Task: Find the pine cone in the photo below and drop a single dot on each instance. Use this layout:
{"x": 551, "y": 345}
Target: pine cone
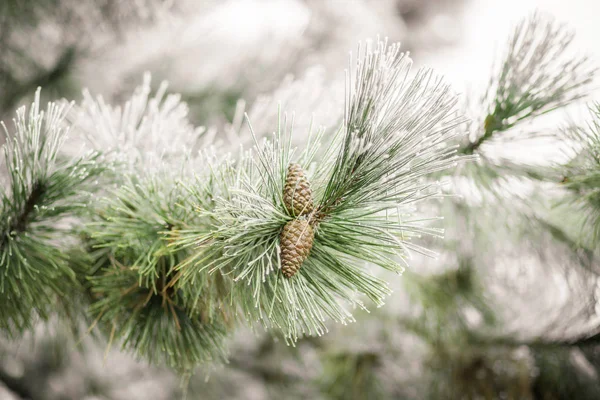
{"x": 296, "y": 240}
{"x": 297, "y": 195}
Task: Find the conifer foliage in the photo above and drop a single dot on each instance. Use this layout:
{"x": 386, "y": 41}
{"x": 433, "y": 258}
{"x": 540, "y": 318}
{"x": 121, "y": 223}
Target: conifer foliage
{"x": 181, "y": 246}
{"x": 164, "y": 240}
{"x": 365, "y": 180}
{"x": 42, "y": 194}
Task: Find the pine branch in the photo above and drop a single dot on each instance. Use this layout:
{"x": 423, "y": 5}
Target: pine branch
{"x": 42, "y": 191}
{"x": 134, "y": 293}
{"x": 363, "y": 187}
{"x": 581, "y": 175}
{"x": 136, "y": 298}
{"x": 538, "y": 74}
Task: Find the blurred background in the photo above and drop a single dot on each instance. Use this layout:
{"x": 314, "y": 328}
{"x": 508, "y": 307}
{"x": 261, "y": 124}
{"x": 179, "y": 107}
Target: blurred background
{"x": 509, "y": 310}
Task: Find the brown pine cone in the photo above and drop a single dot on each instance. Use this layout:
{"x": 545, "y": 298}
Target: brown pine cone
{"x": 296, "y": 240}
{"x": 297, "y": 196}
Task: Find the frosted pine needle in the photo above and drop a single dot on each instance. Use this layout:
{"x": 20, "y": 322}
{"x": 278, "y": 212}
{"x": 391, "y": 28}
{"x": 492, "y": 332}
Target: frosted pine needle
{"x": 363, "y": 182}
{"x": 538, "y": 73}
